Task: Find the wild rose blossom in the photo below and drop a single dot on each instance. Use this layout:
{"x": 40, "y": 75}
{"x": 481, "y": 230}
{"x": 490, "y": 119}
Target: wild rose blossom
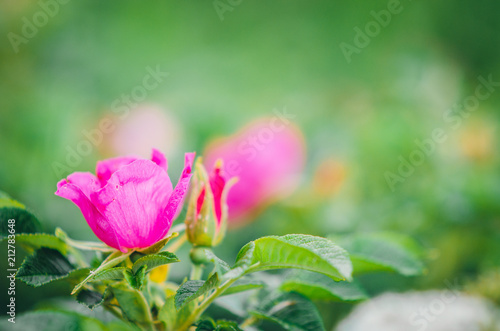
{"x": 267, "y": 156}
{"x": 206, "y": 218}
{"x": 130, "y": 202}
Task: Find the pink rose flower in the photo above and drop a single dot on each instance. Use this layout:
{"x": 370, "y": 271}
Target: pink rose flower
{"x": 130, "y": 203}
{"x": 267, "y": 156}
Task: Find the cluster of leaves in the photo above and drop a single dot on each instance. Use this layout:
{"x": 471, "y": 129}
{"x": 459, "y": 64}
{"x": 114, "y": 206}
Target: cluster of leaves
{"x": 120, "y": 282}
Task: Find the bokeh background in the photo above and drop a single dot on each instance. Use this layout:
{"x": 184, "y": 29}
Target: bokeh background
{"x": 357, "y": 116}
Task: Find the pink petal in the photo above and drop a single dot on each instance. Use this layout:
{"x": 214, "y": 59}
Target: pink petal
{"x": 104, "y": 169}
{"x": 217, "y": 183}
{"x": 85, "y": 181}
{"x": 160, "y": 159}
{"x": 176, "y": 199}
{"x": 97, "y": 222}
{"x": 133, "y": 200}
{"x": 199, "y": 201}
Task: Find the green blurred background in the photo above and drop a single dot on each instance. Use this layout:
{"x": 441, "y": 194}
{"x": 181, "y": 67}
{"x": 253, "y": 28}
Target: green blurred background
{"x": 364, "y": 114}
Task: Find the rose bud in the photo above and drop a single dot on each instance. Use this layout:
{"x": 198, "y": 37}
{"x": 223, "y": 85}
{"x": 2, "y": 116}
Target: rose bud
{"x": 206, "y": 218}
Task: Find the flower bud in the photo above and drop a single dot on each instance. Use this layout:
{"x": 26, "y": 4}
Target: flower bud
{"x": 206, "y": 219}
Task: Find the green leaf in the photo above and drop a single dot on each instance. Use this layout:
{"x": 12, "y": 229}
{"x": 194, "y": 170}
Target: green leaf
{"x": 297, "y": 251}
{"x": 159, "y": 245}
{"x": 320, "y": 287}
{"x": 206, "y": 325}
{"x": 112, "y": 260}
{"x": 193, "y": 289}
{"x": 35, "y": 241}
{"x": 221, "y": 267}
{"x": 130, "y": 278}
{"x": 91, "y": 299}
{"x": 155, "y": 260}
{"x": 25, "y": 222}
{"x": 133, "y": 305}
{"x": 109, "y": 274}
{"x": 77, "y": 276}
{"x": 140, "y": 276}
{"x": 243, "y": 262}
{"x": 53, "y": 320}
{"x": 171, "y": 317}
{"x": 227, "y": 326}
{"x": 168, "y": 314}
{"x": 43, "y": 266}
{"x": 292, "y": 311}
{"x": 220, "y": 325}
{"x": 227, "y": 309}
{"x": 384, "y": 252}
{"x": 244, "y": 284}
{"x": 7, "y": 201}
{"x": 135, "y": 280}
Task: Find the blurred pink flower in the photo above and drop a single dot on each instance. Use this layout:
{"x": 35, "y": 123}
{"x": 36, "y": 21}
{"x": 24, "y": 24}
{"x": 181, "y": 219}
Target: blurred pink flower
{"x": 267, "y": 156}
{"x": 141, "y": 129}
{"x": 131, "y": 202}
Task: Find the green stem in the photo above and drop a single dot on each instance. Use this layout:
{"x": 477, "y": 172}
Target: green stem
{"x": 204, "y": 305}
{"x": 83, "y": 245}
{"x": 149, "y": 316}
{"x": 177, "y": 244}
{"x": 178, "y": 228}
{"x": 196, "y": 271}
{"x": 112, "y": 260}
{"x": 249, "y": 321}
{"x": 114, "y": 310}
{"x": 78, "y": 256}
{"x": 89, "y": 245}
